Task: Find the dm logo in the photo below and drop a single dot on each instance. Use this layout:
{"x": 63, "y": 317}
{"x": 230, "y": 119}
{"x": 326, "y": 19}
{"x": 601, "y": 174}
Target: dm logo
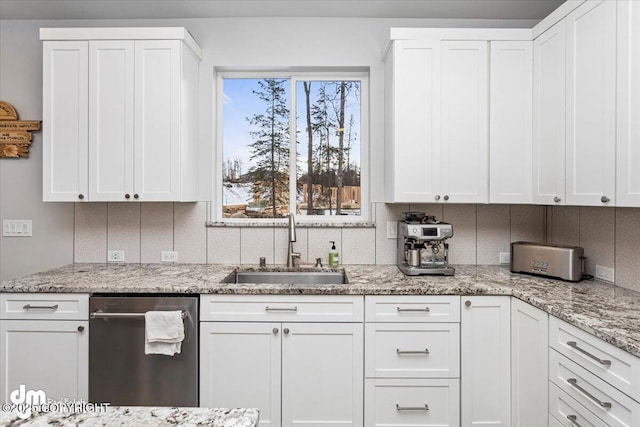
{"x": 26, "y": 399}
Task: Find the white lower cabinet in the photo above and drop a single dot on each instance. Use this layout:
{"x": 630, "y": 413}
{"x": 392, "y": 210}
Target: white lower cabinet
{"x": 44, "y": 345}
{"x": 529, "y": 365}
{"x": 295, "y": 373}
{"x": 412, "y": 402}
{"x": 566, "y": 411}
{"x": 485, "y": 378}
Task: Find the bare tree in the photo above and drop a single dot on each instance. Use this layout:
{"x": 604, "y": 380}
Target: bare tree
{"x": 307, "y": 93}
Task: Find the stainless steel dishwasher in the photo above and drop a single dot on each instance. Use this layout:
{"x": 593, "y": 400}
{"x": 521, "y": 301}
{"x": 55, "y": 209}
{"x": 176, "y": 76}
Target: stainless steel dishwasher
{"x": 119, "y": 371}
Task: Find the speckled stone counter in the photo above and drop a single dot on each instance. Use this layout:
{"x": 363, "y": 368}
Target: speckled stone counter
{"x": 137, "y": 416}
{"x": 608, "y": 312}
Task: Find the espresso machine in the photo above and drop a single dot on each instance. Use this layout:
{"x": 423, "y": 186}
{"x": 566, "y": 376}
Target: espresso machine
{"x": 422, "y": 245}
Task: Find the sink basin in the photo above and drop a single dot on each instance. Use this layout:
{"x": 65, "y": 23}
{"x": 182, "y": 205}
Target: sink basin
{"x": 288, "y": 277}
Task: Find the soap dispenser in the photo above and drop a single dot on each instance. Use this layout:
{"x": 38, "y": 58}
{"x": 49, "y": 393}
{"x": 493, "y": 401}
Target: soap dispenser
{"x": 334, "y": 256}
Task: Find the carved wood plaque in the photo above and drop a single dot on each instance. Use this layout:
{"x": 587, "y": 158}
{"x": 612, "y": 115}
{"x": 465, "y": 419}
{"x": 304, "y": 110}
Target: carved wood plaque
{"x": 15, "y": 135}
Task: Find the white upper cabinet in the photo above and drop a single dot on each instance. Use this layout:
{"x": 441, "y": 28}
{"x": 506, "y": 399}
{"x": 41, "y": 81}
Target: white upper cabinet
{"x": 412, "y": 123}
{"x": 437, "y": 121}
{"x": 464, "y": 148}
{"x": 111, "y": 119}
{"x": 591, "y": 104}
{"x": 628, "y": 125}
{"x": 65, "y": 121}
{"x": 510, "y": 125}
{"x": 549, "y": 75}
{"x": 125, "y": 103}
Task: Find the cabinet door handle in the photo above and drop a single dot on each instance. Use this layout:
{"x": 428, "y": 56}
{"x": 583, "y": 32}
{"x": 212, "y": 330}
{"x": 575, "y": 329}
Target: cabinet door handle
{"x": 275, "y": 331}
{"x": 574, "y": 345}
{"x": 127, "y": 196}
{"x": 437, "y": 197}
{"x": 574, "y": 383}
{"x": 573, "y": 420}
{"x": 267, "y": 308}
{"x": 136, "y": 196}
{"x": 40, "y": 307}
{"x": 286, "y": 331}
{"x": 557, "y": 199}
{"x": 81, "y": 196}
{"x": 446, "y": 197}
{"x": 80, "y": 328}
{"x": 425, "y": 351}
{"x": 412, "y": 408}
{"x": 467, "y": 303}
{"x": 426, "y": 309}
{"x": 605, "y": 199}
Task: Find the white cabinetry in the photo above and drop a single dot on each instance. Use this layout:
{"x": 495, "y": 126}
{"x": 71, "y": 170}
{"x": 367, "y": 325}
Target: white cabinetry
{"x": 591, "y": 104}
{"x": 549, "y": 110}
{"x": 412, "y": 361}
{"x": 529, "y": 365}
{"x": 65, "y": 121}
{"x": 437, "y": 146}
{"x": 628, "y": 93}
{"x": 510, "y": 126}
{"x": 486, "y": 361}
{"x": 45, "y": 345}
{"x": 120, "y": 114}
{"x": 294, "y": 371}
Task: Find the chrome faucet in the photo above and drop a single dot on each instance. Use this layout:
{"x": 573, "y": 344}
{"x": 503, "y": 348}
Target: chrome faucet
{"x": 291, "y": 255}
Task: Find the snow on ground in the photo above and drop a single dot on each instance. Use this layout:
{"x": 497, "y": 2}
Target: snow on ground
{"x": 236, "y": 193}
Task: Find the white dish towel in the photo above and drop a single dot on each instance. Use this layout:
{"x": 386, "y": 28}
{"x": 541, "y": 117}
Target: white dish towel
{"x": 163, "y": 332}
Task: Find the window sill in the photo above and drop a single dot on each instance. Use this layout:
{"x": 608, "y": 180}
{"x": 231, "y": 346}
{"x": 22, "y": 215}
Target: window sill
{"x": 284, "y": 224}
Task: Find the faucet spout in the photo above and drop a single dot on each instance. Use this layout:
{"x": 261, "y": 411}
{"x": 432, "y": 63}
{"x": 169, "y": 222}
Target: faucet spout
{"x": 291, "y": 255}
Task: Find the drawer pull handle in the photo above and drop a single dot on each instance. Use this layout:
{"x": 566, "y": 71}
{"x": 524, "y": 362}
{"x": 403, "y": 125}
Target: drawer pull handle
{"x": 572, "y": 419}
{"x": 574, "y": 383}
{"x": 426, "y": 309}
{"x": 412, "y": 408}
{"x": 267, "y": 308}
{"x": 40, "y": 307}
{"x": 574, "y": 345}
{"x": 425, "y": 351}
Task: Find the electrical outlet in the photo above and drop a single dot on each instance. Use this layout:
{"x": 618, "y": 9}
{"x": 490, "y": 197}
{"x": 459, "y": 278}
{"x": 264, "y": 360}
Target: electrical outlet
{"x": 17, "y": 228}
{"x": 505, "y": 257}
{"x": 115, "y": 256}
{"x": 392, "y": 230}
{"x": 605, "y": 273}
{"x": 169, "y": 256}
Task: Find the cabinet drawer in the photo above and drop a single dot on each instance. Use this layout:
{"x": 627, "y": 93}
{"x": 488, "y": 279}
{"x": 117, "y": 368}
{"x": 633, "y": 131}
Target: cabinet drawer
{"x": 615, "y": 366}
{"x": 412, "y": 308}
{"x": 412, "y": 350}
{"x": 281, "y": 308}
{"x": 411, "y": 402}
{"x": 607, "y": 403}
{"x": 568, "y": 412}
{"x": 44, "y": 306}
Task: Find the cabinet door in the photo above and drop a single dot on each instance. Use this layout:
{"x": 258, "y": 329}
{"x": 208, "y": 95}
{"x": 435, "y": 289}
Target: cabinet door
{"x": 110, "y": 120}
{"x": 549, "y": 74}
{"x": 64, "y": 121}
{"x": 240, "y": 367}
{"x": 157, "y": 120}
{"x": 415, "y": 101}
{"x": 464, "y": 147}
{"x": 511, "y": 121}
{"x": 591, "y": 104}
{"x": 628, "y": 143}
{"x": 47, "y": 355}
{"x": 529, "y": 365}
{"x": 322, "y": 374}
{"x": 486, "y": 360}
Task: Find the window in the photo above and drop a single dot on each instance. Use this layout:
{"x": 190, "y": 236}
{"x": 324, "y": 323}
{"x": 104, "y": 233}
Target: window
{"x": 292, "y": 143}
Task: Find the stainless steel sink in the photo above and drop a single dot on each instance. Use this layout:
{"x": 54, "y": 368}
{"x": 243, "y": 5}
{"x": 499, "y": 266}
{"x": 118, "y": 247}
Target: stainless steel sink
{"x": 288, "y": 277}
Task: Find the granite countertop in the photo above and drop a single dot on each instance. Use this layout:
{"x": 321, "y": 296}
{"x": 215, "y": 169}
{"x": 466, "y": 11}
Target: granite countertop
{"x": 608, "y": 312}
{"x": 138, "y": 416}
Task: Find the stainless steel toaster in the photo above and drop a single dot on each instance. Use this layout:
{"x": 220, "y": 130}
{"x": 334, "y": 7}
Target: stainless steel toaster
{"x": 544, "y": 259}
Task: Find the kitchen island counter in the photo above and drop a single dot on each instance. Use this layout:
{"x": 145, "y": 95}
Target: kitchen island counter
{"x": 609, "y": 312}
{"x": 139, "y": 416}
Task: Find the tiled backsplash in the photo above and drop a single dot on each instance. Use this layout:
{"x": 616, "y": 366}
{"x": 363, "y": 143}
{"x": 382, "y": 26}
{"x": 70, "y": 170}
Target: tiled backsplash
{"x": 610, "y": 236}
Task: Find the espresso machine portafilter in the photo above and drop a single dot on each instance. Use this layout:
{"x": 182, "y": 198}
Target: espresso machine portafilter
{"x": 422, "y": 245}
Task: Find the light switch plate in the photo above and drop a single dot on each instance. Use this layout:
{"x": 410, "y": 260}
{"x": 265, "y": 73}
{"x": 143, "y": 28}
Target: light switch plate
{"x": 17, "y": 228}
{"x": 392, "y": 230}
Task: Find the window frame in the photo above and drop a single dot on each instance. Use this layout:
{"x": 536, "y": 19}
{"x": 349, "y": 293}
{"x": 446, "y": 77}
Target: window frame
{"x": 215, "y": 213}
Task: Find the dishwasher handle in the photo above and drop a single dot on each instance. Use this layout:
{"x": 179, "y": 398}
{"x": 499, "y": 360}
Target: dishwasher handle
{"x": 102, "y": 315}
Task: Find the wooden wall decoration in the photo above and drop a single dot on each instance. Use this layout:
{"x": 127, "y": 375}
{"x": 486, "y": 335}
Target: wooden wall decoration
{"x": 15, "y": 135}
